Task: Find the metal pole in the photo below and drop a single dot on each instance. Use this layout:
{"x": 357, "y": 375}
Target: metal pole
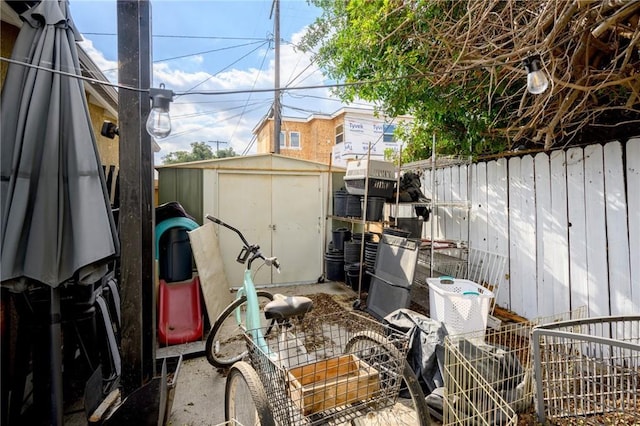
{"x": 433, "y": 203}
{"x": 55, "y": 351}
{"x": 397, "y": 212}
{"x": 365, "y": 228}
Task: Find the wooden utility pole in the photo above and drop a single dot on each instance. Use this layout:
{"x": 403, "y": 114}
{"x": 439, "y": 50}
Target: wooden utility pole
{"x": 218, "y": 144}
{"x": 276, "y": 101}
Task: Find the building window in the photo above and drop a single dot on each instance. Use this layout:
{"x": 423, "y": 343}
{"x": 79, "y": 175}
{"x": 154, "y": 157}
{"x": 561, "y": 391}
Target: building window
{"x": 388, "y": 130}
{"x": 294, "y": 140}
{"x": 283, "y": 140}
{"x": 339, "y": 133}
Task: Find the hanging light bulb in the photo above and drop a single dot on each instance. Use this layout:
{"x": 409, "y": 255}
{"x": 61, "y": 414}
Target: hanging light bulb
{"x": 159, "y": 121}
{"x": 537, "y": 81}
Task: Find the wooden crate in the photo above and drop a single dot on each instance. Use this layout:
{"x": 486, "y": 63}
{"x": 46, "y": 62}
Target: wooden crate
{"x": 332, "y": 383}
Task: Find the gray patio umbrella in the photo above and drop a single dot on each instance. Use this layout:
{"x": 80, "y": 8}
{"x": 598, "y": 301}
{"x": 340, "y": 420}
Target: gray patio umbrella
{"x": 57, "y": 222}
{"x": 56, "y": 216}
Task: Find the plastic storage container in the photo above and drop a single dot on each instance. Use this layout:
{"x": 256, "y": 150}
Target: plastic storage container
{"x": 382, "y": 178}
{"x": 462, "y": 305}
{"x": 176, "y": 262}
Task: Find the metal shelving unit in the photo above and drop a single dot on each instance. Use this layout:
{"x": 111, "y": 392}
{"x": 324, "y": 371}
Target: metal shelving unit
{"x": 443, "y": 263}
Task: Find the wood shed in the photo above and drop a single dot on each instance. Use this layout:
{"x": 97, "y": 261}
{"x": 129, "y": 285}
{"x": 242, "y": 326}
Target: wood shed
{"x": 278, "y": 202}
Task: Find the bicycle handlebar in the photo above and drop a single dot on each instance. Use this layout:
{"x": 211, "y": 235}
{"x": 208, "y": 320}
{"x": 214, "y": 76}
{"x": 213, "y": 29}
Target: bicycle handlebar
{"x": 273, "y": 261}
{"x": 248, "y": 249}
{"x": 226, "y": 225}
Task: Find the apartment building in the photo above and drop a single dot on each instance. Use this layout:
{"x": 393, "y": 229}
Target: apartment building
{"x": 349, "y": 133}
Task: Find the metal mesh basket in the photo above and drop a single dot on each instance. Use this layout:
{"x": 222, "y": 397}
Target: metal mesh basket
{"x": 333, "y": 368}
{"x": 489, "y": 382}
{"x": 588, "y": 371}
{"x": 444, "y": 264}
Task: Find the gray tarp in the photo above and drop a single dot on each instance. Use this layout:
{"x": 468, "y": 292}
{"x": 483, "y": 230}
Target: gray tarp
{"x": 497, "y": 365}
{"x": 426, "y": 345}
{"x": 56, "y": 217}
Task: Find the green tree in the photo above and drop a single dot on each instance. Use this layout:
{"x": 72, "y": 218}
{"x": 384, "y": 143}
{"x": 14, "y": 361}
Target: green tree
{"x": 457, "y": 67}
{"x": 225, "y": 153}
{"x": 199, "y": 151}
{"x": 374, "y": 42}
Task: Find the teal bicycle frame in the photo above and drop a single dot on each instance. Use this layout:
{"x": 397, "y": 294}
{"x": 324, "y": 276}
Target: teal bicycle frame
{"x": 248, "y": 254}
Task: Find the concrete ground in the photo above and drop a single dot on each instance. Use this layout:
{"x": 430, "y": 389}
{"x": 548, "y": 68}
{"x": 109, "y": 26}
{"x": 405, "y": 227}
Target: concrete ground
{"x": 198, "y": 398}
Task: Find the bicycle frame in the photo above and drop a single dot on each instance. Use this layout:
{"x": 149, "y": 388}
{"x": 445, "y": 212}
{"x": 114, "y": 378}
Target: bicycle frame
{"x": 253, "y": 313}
{"x": 247, "y": 255}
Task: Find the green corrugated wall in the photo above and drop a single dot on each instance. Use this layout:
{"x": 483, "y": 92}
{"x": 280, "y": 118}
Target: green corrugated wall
{"x": 183, "y": 186}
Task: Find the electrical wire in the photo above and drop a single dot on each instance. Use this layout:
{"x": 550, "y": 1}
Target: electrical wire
{"x": 264, "y": 59}
{"x": 239, "y": 91}
{"x": 201, "y": 113}
{"x": 324, "y": 98}
{"x": 250, "y": 145}
{"x": 192, "y": 54}
{"x": 223, "y": 69}
{"x": 207, "y": 51}
{"x": 184, "y": 36}
{"x": 186, "y": 132}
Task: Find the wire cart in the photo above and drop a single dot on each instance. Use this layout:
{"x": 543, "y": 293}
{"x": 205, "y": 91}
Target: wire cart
{"x": 588, "y": 370}
{"x": 330, "y": 369}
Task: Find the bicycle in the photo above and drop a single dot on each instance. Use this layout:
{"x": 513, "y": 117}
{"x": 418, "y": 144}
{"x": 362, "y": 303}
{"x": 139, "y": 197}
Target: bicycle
{"x": 315, "y": 371}
{"x": 224, "y": 345}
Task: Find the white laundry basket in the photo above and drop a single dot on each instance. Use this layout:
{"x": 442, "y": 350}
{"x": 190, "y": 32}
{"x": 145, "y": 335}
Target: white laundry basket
{"x": 462, "y": 305}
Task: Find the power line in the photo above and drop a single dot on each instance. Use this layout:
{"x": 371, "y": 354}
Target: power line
{"x": 184, "y": 36}
{"x": 264, "y": 59}
{"x": 204, "y": 52}
{"x": 201, "y": 113}
{"x": 225, "y": 68}
{"x": 185, "y": 132}
{"x": 194, "y": 54}
{"x": 267, "y": 90}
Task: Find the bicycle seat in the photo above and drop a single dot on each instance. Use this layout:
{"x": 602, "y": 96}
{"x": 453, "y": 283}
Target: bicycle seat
{"x": 283, "y": 307}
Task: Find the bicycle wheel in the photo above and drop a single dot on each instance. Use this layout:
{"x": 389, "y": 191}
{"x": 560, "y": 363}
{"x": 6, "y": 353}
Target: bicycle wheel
{"x": 245, "y": 399}
{"x": 411, "y": 407}
{"x": 225, "y": 343}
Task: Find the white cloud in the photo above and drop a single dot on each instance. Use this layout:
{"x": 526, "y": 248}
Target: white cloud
{"x": 108, "y": 67}
{"x": 229, "y": 117}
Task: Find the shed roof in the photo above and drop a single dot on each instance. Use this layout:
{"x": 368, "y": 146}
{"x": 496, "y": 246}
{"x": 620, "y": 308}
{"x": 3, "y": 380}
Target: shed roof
{"x": 271, "y": 162}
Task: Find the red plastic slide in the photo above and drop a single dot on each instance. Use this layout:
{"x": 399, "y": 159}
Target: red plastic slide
{"x": 180, "y": 314}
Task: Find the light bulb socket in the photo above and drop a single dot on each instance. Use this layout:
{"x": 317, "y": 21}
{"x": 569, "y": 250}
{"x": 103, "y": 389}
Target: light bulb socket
{"x": 532, "y": 63}
{"x": 160, "y": 98}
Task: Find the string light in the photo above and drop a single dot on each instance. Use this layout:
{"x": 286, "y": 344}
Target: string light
{"x": 159, "y": 120}
{"x": 537, "y": 81}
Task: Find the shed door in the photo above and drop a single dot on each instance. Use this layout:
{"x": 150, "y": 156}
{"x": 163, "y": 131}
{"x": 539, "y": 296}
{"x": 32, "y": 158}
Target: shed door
{"x": 297, "y": 219}
{"x": 244, "y": 202}
{"x": 281, "y": 213}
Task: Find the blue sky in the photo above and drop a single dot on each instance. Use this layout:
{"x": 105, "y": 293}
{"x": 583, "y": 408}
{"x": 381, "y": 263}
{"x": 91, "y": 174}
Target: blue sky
{"x": 221, "y": 45}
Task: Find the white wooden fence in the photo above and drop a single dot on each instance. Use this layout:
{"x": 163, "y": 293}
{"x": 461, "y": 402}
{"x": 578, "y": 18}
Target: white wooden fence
{"x": 568, "y": 222}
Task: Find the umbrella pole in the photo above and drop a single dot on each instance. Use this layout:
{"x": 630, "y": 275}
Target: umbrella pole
{"x": 55, "y": 333}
